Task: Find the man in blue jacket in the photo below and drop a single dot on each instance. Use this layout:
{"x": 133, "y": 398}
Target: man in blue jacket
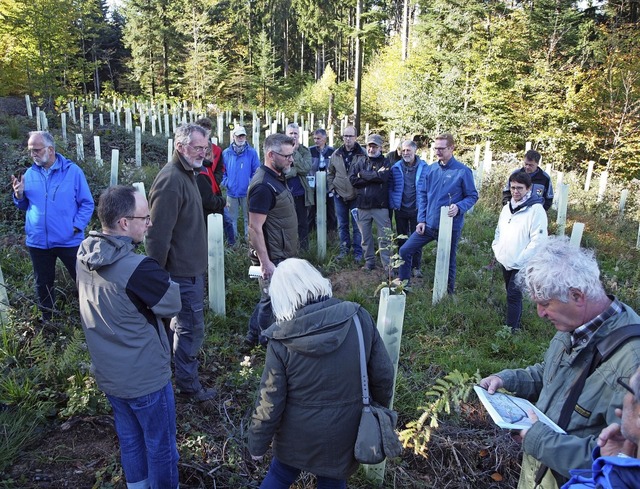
{"x": 403, "y": 181}
{"x": 58, "y": 204}
{"x": 447, "y": 183}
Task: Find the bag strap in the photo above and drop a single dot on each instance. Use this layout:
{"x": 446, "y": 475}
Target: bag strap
{"x": 604, "y": 349}
{"x": 364, "y": 378}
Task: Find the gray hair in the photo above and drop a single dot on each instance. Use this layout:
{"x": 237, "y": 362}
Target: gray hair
{"x": 294, "y": 284}
{"x": 557, "y": 268}
{"x": 293, "y": 125}
{"x": 184, "y": 132}
{"x": 320, "y": 132}
{"x": 46, "y": 136}
{"x": 276, "y": 141}
{"x": 115, "y": 203}
{"x": 410, "y": 143}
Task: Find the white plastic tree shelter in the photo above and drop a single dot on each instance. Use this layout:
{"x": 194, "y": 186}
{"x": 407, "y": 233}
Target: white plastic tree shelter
{"x": 97, "y": 150}
{"x": 390, "y": 321}
{"x": 4, "y": 300}
{"x": 139, "y": 186}
{"x": 138, "y": 135}
{"x": 604, "y": 176}
{"x": 556, "y": 196}
{"x": 80, "y": 147}
{"x": 443, "y": 256}
{"x": 563, "y": 200}
{"x": 321, "y": 213}
{"x": 623, "y": 202}
{"x": 576, "y": 234}
{"x": 169, "y": 149}
{"x": 216, "y": 265}
{"x": 63, "y": 120}
{"x": 27, "y": 100}
{"x": 115, "y": 157}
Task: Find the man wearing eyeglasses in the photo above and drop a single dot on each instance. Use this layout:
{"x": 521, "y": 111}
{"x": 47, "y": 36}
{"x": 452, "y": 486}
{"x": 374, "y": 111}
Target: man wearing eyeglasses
{"x": 58, "y": 204}
{"x": 178, "y": 242}
{"x": 123, "y": 297}
{"x": 564, "y": 283}
{"x": 616, "y": 463}
{"x": 447, "y": 183}
{"x": 273, "y": 224}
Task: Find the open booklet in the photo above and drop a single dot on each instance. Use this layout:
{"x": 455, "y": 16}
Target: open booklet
{"x": 511, "y": 412}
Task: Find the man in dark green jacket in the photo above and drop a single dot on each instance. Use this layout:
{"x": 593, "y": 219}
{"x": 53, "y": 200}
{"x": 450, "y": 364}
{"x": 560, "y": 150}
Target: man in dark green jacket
{"x": 564, "y": 283}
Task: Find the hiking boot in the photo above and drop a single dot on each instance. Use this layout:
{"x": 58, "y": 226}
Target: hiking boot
{"x": 204, "y": 394}
{"x": 417, "y": 273}
{"x": 369, "y": 267}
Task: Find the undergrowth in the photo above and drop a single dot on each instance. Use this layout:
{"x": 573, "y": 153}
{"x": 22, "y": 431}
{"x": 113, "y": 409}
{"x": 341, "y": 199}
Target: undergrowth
{"x": 45, "y": 374}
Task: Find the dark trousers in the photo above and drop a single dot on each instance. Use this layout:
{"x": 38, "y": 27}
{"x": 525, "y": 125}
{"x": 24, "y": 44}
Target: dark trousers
{"x": 406, "y": 223}
{"x": 417, "y": 241}
{"x": 514, "y": 298}
{"x": 332, "y": 222}
{"x": 44, "y": 271}
{"x": 303, "y": 226}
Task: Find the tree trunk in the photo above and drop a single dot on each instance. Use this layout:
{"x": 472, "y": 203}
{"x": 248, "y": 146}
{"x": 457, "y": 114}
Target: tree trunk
{"x": 358, "y": 70}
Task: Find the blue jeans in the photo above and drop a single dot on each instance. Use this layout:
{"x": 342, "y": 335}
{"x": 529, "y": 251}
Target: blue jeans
{"x": 235, "y": 205}
{"x": 188, "y": 333}
{"x": 146, "y": 428}
{"x": 416, "y": 242}
{"x": 44, "y": 272}
{"x": 343, "y": 214}
{"x": 514, "y": 298}
{"x": 227, "y": 227}
{"x": 281, "y": 476}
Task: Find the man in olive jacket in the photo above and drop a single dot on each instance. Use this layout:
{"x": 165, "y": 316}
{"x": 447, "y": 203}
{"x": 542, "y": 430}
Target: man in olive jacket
{"x": 564, "y": 283}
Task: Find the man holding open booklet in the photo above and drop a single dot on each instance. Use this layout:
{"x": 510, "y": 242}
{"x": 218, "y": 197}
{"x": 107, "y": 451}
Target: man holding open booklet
{"x": 575, "y": 386}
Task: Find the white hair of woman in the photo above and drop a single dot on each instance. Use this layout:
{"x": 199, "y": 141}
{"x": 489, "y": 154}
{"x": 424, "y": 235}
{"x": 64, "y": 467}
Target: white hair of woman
{"x": 294, "y": 284}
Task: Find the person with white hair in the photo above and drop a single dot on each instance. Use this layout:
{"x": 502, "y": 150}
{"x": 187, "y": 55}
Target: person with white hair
{"x": 310, "y": 397}
{"x": 575, "y": 386}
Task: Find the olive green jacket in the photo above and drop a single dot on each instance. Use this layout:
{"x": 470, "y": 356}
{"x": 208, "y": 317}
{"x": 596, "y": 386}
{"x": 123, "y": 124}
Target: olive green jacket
{"x": 548, "y": 385}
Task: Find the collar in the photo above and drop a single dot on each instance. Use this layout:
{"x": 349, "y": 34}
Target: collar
{"x": 583, "y": 334}
{"x": 515, "y": 204}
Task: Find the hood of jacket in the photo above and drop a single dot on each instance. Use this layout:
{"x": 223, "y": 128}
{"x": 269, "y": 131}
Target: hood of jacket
{"x": 100, "y": 250}
{"x": 533, "y": 199}
{"x": 316, "y": 329}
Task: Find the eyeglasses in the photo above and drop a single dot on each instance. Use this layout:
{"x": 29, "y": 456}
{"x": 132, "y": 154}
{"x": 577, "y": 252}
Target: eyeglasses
{"x": 36, "y": 150}
{"x": 147, "y": 219}
{"x": 287, "y": 157}
{"x": 518, "y": 189}
{"x": 199, "y": 149}
{"x": 440, "y": 149}
{"x": 624, "y": 382}
{"x": 240, "y": 136}
{"x": 348, "y": 135}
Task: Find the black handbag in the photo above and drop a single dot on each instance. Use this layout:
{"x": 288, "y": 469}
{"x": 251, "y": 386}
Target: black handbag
{"x": 377, "y": 438}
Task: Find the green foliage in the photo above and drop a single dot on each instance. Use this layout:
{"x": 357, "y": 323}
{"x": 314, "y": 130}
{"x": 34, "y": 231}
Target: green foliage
{"x": 84, "y": 397}
{"x": 448, "y": 392}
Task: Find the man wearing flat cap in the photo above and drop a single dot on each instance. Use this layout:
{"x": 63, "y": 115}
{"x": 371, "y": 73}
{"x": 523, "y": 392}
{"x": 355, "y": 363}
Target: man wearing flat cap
{"x": 369, "y": 177}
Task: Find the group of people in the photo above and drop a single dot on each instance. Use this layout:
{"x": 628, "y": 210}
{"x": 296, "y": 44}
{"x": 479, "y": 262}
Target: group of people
{"x": 140, "y": 312}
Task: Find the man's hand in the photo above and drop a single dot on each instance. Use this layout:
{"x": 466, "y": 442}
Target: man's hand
{"x": 257, "y": 458}
{"x": 267, "y": 269}
{"x": 18, "y": 186}
{"x": 612, "y": 442}
{"x": 491, "y": 384}
{"x": 534, "y": 419}
{"x": 420, "y": 228}
{"x": 228, "y": 203}
{"x": 453, "y": 210}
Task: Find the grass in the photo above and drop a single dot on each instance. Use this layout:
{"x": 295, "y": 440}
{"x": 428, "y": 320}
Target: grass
{"x": 47, "y": 374}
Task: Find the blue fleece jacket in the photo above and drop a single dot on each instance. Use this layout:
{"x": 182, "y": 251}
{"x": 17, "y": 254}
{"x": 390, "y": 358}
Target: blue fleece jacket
{"x": 59, "y": 205}
{"x": 443, "y": 185}
{"x": 238, "y": 170}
